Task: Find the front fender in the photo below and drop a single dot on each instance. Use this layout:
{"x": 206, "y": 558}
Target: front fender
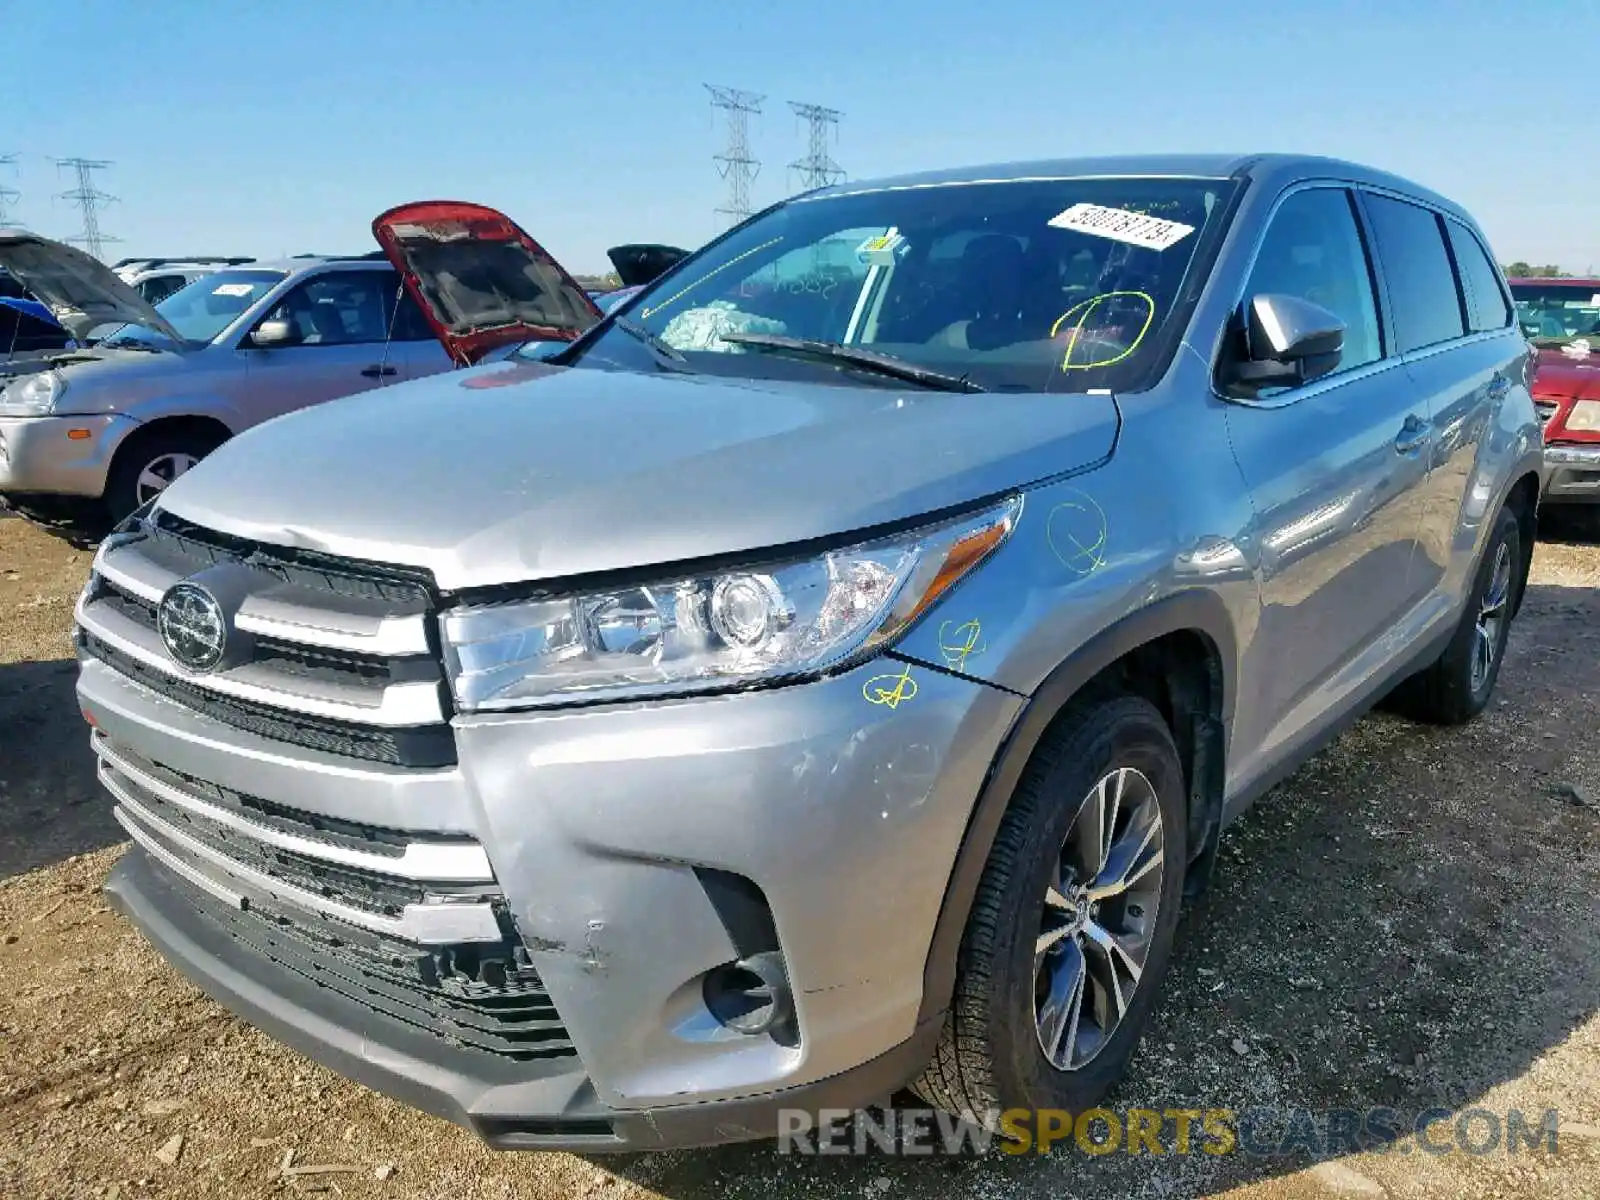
{"x": 204, "y": 406}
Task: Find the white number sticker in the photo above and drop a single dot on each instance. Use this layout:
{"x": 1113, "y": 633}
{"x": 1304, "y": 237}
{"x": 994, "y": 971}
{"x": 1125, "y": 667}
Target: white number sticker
{"x": 1137, "y": 229}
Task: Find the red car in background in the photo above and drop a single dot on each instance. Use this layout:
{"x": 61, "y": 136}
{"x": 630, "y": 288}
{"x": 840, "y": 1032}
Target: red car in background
{"x": 1561, "y": 317}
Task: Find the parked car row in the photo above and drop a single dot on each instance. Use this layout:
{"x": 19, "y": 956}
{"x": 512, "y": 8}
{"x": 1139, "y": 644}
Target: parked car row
{"x": 160, "y": 361}
{"x": 829, "y": 671}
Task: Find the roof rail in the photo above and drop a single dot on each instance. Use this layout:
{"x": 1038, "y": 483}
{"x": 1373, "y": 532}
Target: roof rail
{"x": 151, "y": 263}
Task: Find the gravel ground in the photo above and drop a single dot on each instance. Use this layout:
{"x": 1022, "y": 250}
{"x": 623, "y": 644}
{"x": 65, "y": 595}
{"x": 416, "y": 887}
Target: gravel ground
{"x": 1410, "y": 921}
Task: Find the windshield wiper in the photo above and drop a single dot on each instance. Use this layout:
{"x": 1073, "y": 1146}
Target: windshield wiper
{"x": 666, "y": 353}
{"x": 856, "y": 356}
{"x": 128, "y": 343}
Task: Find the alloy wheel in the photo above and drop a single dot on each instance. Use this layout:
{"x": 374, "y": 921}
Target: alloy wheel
{"x": 1491, "y": 618}
{"x": 159, "y": 473}
{"x": 1098, "y": 918}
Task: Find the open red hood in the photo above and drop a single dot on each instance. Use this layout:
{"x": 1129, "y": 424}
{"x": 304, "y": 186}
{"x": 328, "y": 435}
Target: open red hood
{"x": 481, "y": 281}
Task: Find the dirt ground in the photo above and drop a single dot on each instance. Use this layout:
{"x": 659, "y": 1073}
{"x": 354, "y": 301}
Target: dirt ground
{"x": 1410, "y": 921}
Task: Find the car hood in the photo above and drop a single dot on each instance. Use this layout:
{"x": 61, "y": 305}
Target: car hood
{"x": 480, "y": 280}
{"x": 525, "y": 471}
{"x": 1563, "y": 376}
{"x": 639, "y": 264}
{"x": 79, "y": 290}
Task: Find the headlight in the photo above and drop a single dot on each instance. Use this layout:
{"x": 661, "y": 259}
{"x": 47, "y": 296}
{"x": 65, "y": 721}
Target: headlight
{"x": 775, "y": 621}
{"x": 33, "y": 394}
{"x": 1584, "y": 417}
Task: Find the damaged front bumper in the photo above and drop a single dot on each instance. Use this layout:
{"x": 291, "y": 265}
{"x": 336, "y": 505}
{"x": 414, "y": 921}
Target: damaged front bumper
{"x": 636, "y": 851}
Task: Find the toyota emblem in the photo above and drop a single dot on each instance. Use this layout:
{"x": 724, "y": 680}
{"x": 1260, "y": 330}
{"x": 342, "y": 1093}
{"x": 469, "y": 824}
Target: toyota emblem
{"x": 192, "y": 626}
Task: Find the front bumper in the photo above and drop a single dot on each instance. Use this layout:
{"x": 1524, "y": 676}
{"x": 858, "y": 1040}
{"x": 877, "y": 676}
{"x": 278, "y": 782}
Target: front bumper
{"x": 59, "y": 455}
{"x": 1571, "y": 474}
{"x": 601, "y": 826}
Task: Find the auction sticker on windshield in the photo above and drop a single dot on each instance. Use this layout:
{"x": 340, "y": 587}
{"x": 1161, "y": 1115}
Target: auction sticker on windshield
{"x": 233, "y": 289}
{"x": 1137, "y": 229}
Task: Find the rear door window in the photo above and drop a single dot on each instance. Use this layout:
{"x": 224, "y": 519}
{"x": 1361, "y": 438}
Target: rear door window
{"x": 1487, "y": 306}
{"x": 1416, "y": 267}
{"x": 1313, "y": 249}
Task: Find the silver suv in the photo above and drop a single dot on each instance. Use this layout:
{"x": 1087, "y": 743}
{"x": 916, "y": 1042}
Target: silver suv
{"x": 87, "y": 435}
{"x": 834, "y": 669}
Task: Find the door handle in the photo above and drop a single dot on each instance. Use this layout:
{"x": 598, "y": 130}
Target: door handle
{"x": 376, "y": 370}
{"x": 1413, "y": 436}
{"x": 1499, "y": 386}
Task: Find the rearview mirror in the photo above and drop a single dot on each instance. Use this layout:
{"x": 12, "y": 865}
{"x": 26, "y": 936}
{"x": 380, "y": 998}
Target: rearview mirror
{"x": 1288, "y": 341}
{"x": 272, "y": 333}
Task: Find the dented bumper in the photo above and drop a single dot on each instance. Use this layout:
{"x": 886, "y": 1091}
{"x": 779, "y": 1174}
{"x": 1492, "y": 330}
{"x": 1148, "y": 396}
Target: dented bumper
{"x": 613, "y": 834}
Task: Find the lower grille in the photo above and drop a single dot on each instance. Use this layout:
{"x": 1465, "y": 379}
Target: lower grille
{"x": 485, "y": 1001}
{"x": 342, "y": 913}
{"x": 420, "y": 746}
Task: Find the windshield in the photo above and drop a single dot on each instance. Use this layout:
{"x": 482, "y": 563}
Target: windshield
{"x": 1033, "y": 285}
{"x": 1554, "y": 314}
{"x": 204, "y": 308}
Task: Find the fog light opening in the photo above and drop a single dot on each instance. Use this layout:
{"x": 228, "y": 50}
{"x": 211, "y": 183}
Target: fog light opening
{"x": 752, "y": 996}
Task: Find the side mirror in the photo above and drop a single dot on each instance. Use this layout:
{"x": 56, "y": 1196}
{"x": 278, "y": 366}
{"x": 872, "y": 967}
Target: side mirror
{"x": 272, "y": 333}
{"x": 1287, "y": 341}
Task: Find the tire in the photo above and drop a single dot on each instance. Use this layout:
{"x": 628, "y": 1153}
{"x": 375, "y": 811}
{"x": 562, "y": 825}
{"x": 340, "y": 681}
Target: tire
{"x": 991, "y": 1055}
{"x": 155, "y": 453}
{"x": 1454, "y": 690}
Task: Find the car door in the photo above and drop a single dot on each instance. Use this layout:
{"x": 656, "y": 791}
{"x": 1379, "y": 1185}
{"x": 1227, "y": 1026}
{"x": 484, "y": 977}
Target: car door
{"x": 1445, "y": 292}
{"x": 1334, "y": 469}
{"x": 338, "y": 344}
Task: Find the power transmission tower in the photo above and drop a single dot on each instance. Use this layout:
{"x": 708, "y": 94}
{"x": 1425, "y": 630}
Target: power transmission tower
{"x": 736, "y": 164}
{"x": 88, "y": 198}
{"x": 8, "y": 195}
{"x": 817, "y": 168}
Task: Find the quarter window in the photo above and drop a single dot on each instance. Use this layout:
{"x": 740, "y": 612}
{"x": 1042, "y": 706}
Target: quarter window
{"x": 1313, "y": 250}
{"x": 1416, "y": 267}
{"x": 1487, "y": 307}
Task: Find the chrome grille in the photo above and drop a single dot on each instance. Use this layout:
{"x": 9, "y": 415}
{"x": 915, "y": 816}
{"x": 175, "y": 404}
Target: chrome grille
{"x": 341, "y": 655}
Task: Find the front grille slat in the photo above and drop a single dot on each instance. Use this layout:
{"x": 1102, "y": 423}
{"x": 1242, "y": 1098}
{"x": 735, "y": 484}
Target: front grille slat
{"x": 407, "y": 746}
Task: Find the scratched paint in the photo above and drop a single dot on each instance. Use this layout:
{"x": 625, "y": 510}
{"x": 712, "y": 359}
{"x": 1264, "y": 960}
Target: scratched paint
{"x": 959, "y": 642}
{"x": 1084, "y": 310}
{"x": 891, "y": 690}
{"x": 1076, "y": 531}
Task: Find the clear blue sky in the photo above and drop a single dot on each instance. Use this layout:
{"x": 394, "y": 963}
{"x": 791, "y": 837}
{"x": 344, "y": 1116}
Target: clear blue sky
{"x": 266, "y": 128}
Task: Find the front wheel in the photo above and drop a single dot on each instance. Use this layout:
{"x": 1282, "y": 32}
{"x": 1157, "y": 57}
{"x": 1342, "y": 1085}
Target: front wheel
{"x": 147, "y": 465}
{"x": 1073, "y": 922}
{"x": 1457, "y": 687}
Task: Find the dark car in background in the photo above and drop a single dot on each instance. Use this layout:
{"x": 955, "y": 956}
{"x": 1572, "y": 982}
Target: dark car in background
{"x": 1561, "y": 317}
{"x": 26, "y": 326}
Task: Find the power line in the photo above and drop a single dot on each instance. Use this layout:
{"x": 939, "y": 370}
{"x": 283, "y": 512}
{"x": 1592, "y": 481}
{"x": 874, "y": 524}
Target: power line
{"x": 88, "y": 198}
{"x": 736, "y": 164}
{"x": 8, "y": 195}
{"x": 817, "y": 168}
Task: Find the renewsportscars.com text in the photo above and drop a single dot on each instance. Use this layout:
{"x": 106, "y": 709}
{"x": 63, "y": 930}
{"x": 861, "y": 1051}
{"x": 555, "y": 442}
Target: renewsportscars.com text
{"x": 1259, "y": 1132}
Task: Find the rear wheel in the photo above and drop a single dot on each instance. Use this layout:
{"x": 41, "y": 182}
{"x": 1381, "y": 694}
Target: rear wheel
{"x": 1073, "y": 922}
{"x": 146, "y": 466}
{"x": 1458, "y": 686}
